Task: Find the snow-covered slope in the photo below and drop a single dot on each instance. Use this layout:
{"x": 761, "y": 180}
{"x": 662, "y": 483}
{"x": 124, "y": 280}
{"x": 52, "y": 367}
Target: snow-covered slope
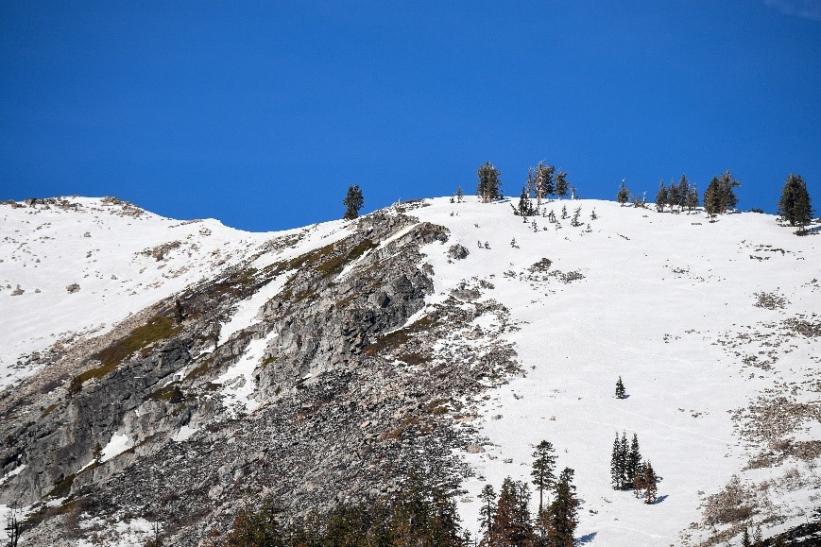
{"x": 713, "y": 326}
{"x": 662, "y": 299}
{"x": 77, "y": 266}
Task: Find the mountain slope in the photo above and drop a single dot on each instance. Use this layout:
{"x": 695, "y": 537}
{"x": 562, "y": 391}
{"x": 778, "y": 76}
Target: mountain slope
{"x": 291, "y": 362}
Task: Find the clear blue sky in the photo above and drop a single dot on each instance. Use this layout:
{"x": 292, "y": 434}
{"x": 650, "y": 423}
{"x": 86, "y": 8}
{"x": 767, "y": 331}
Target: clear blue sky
{"x": 261, "y": 113}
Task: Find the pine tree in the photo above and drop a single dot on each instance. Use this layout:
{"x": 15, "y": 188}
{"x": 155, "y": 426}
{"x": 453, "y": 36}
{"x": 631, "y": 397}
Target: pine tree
{"x": 620, "y": 392}
{"x": 551, "y": 217}
{"x": 487, "y": 511}
{"x": 624, "y": 451}
{"x": 661, "y": 197}
{"x": 544, "y": 462}
{"x": 794, "y": 205}
{"x": 576, "y": 214}
{"x": 616, "y": 465}
{"x": 564, "y": 212}
{"x": 522, "y": 532}
{"x": 638, "y": 481}
{"x": 593, "y": 215}
{"x": 353, "y": 202}
{"x": 633, "y": 460}
{"x": 544, "y": 181}
{"x": 443, "y": 525}
{"x": 624, "y": 194}
{"x": 561, "y": 184}
{"x": 745, "y": 538}
{"x": 692, "y": 198}
{"x": 563, "y": 512}
{"x": 504, "y": 523}
{"x": 460, "y": 195}
{"x": 525, "y": 207}
{"x": 673, "y": 197}
{"x": 490, "y": 184}
{"x": 720, "y": 195}
{"x": 712, "y": 198}
{"x": 727, "y": 197}
{"x": 683, "y": 191}
{"x": 650, "y": 487}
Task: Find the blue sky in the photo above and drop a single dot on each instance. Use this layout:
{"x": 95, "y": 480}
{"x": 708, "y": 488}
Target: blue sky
{"x": 261, "y": 113}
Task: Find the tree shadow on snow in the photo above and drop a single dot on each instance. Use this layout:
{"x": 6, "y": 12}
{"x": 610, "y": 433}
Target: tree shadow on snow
{"x": 587, "y": 538}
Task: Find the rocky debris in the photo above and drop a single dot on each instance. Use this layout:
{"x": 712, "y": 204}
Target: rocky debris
{"x": 17, "y": 291}
{"x": 72, "y": 288}
{"x": 542, "y": 266}
{"x": 159, "y": 252}
{"x": 770, "y": 301}
{"x": 458, "y": 252}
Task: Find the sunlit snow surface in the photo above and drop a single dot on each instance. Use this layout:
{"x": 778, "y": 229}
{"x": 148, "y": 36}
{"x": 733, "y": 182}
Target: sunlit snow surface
{"x": 658, "y": 291}
{"x": 632, "y": 316}
{"x": 108, "y": 253}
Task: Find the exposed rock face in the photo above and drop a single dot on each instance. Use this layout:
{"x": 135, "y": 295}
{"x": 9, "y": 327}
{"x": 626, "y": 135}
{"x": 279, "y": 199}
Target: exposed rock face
{"x": 345, "y": 397}
{"x": 458, "y": 252}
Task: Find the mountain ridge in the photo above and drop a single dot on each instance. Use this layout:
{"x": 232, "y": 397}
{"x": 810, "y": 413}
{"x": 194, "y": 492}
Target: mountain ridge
{"x": 408, "y": 296}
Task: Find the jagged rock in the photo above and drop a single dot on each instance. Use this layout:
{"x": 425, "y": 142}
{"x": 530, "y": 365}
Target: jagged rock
{"x": 72, "y": 288}
{"x": 458, "y": 252}
{"x": 331, "y": 398}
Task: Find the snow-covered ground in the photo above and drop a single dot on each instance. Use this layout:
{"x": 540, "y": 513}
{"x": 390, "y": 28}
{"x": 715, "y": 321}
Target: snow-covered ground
{"x": 661, "y": 299}
{"x": 121, "y": 258}
{"x": 658, "y": 289}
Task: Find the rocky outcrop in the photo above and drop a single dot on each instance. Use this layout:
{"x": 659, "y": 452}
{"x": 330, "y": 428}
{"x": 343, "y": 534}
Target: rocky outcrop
{"x": 348, "y": 397}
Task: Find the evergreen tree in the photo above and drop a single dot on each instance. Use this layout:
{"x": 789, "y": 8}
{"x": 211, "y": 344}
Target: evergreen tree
{"x": 576, "y": 214}
{"x": 522, "y": 533}
{"x": 460, "y": 195}
{"x": 692, "y": 198}
{"x": 650, "y": 487}
{"x": 544, "y": 462}
{"x": 561, "y": 184}
{"x": 638, "y": 481}
{"x": 563, "y": 512}
{"x": 525, "y": 207}
{"x": 503, "y": 528}
{"x": 624, "y": 451}
{"x": 256, "y": 528}
{"x": 673, "y": 197}
{"x": 593, "y": 215}
{"x": 544, "y": 181}
{"x": 624, "y": 194}
{"x": 720, "y": 195}
{"x": 443, "y": 528}
{"x": 551, "y": 217}
{"x": 532, "y": 183}
{"x": 661, "y": 197}
{"x": 794, "y": 205}
{"x": 620, "y": 392}
{"x": 727, "y": 195}
{"x": 683, "y": 191}
{"x": 633, "y": 462}
{"x": 353, "y": 202}
{"x": 745, "y": 538}
{"x": 564, "y": 212}
{"x": 487, "y": 511}
{"x": 712, "y": 198}
{"x": 490, "y": 183}
{"x": 616, "y": 465}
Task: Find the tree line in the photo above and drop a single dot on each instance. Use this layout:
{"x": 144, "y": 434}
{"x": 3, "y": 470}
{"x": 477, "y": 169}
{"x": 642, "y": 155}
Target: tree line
{"x": 544, "y": 181}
